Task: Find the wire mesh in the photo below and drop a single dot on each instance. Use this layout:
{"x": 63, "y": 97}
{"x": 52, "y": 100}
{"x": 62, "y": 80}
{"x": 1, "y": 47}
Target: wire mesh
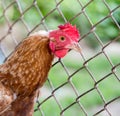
{"x": 77, "y": 89}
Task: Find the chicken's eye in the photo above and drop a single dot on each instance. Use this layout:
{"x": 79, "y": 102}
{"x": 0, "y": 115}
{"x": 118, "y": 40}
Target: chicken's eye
{"x": 62, "y": 38}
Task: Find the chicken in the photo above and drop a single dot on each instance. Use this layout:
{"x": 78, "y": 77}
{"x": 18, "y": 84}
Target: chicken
{"x": 26, "y": 70}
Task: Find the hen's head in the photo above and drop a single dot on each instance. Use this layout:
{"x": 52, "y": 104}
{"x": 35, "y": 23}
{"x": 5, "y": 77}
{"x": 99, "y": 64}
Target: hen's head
{"x": 63, "y": 39}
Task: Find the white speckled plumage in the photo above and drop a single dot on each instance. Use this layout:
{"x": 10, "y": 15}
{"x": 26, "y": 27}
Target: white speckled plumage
{"x": 24, "y": 72}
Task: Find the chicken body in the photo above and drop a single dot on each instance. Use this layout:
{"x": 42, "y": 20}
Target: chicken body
{"x": 23, "y": 73}
{"x": 26, "y": 70}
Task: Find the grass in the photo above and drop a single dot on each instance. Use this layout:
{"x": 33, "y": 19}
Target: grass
{"x": 82, "y": 82}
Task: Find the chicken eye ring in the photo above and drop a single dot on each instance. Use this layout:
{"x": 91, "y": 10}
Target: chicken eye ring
{"x": 62, "y": 38}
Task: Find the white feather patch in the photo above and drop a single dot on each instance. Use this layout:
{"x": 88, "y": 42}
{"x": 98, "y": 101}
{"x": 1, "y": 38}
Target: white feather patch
{"x": 14, "y": 96}
{"x": 41, "y": 33}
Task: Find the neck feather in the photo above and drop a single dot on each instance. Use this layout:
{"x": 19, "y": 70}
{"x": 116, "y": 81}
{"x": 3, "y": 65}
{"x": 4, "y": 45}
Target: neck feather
{"x": 41, "y": 33}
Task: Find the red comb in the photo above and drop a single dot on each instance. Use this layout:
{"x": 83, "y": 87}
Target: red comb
{"x": 70, "y": 30}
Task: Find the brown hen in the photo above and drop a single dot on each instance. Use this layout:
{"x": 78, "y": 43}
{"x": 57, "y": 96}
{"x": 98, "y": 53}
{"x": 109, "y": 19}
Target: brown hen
{"x": 26, "y": 70}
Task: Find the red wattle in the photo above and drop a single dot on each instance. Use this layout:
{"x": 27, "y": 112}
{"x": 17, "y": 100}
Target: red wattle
{"x": 61, "y": 53}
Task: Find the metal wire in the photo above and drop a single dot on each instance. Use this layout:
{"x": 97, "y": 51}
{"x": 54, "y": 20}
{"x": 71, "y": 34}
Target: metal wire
{"x": 8, "y": 39}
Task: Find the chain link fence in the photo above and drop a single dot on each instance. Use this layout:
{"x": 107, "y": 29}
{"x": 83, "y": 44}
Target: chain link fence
{"x": 86, "y": 84}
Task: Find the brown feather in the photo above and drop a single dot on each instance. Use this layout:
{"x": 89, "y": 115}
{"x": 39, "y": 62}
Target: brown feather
{"x": 6, "y": 97}
{"x": 22, "y": 106}
{"x": 27, "y": 68}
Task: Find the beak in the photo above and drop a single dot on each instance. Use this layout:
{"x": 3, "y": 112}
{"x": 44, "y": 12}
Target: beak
{"x": 75, "y": 46}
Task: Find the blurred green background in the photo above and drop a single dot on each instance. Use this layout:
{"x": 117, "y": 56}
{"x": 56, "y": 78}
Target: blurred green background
{"x": 90, "y": 13}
